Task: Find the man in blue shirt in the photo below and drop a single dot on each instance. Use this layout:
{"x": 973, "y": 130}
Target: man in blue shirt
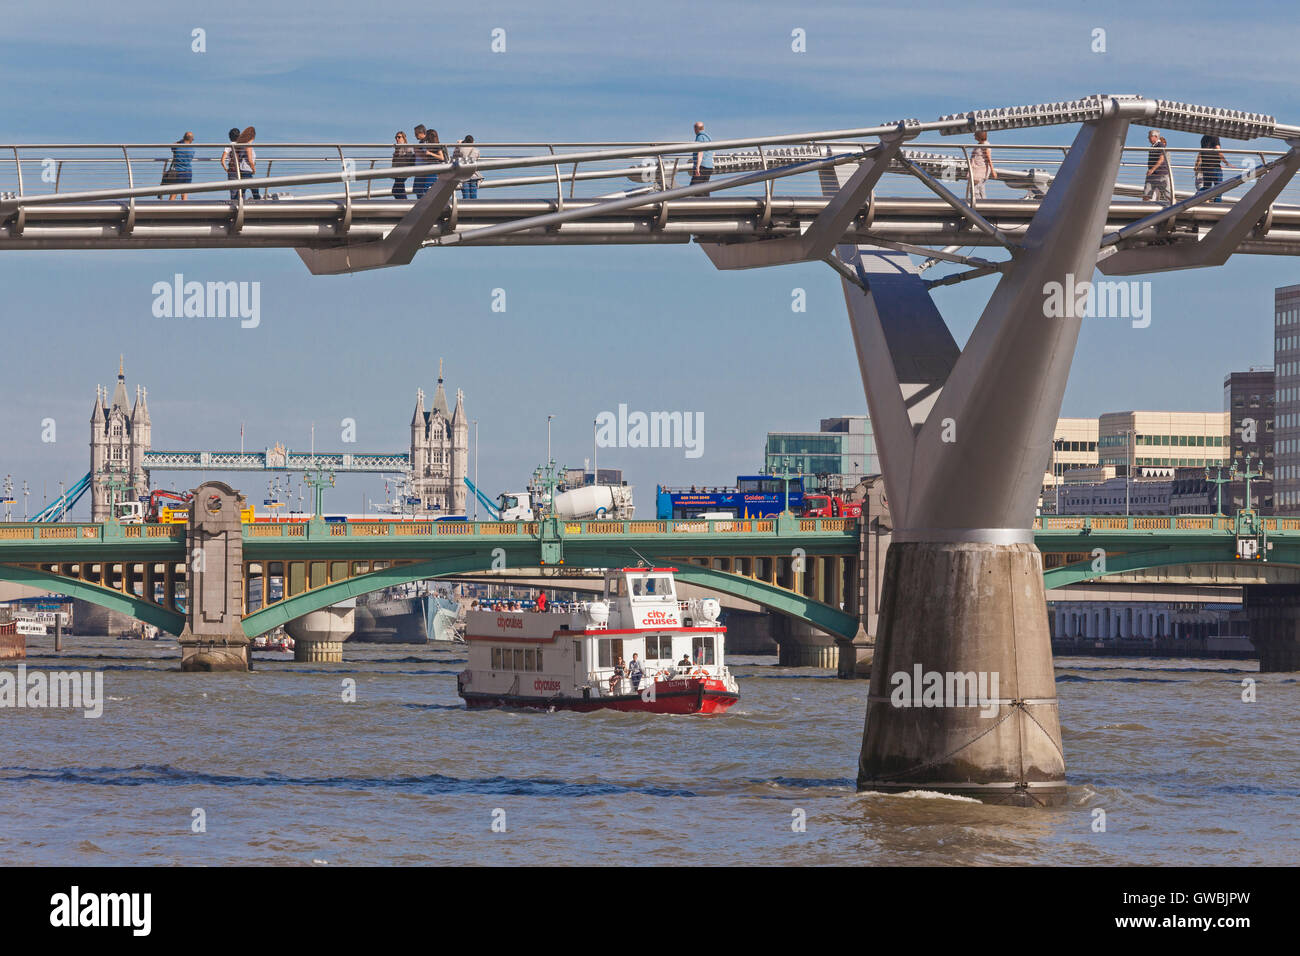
{"x": 182, "y": 166}
{"x": 701, "y": 163}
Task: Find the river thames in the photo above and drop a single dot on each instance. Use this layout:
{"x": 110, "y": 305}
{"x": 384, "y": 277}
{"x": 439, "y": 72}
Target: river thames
{"x": 274, "y": 767}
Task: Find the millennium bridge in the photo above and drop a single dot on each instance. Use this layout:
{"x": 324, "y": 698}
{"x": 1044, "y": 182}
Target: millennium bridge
{"x": 963, "y": 433}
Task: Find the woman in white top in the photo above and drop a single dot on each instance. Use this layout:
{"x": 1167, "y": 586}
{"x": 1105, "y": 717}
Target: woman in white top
{"x": 981, "y": 165}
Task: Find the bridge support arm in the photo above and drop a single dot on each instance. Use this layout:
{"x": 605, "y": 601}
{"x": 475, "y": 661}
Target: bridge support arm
{"x": 826, "y": 230}
{"x": 397, "y": 248}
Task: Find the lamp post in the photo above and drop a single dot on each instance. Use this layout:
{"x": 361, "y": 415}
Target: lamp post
{"x": 1220, "y": 481}
{"x": 476, "y": 492}
{"x": 1056, "y": 477}
{"x": 1128, "y": 468}
{"x": 1248, "y": 474}
{"x": 548, "y": 438}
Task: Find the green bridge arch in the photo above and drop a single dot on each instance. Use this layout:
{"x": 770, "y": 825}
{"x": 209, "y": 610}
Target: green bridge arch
{"x": 136, "y": 607}
{"x": 1082, "y": 571}
{"x": 768, "y": 596}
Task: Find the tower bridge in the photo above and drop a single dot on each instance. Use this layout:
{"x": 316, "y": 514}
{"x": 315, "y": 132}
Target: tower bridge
{"x": 122, "y": 457}
{"x": 964, "y": 434}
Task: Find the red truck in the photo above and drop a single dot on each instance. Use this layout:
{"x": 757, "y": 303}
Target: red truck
{"x": 830, "y": 506}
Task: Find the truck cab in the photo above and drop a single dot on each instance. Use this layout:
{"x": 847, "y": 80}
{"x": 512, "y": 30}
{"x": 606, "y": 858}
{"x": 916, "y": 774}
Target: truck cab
{"x": 829, "y": 506}
{"x": 515, "y": 506}
{"x": 129, "y": 512}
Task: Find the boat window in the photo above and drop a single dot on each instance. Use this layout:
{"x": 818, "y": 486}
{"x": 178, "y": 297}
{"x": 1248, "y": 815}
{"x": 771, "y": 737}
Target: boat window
{"x": 610, "y": 649}
{"x": 661, "y": 586}
{"x": 539, "y": 658}
{"x": 658, "y": 647}
{"x": 530, "y": 659}
{"x": 638, "y": 586}
{"x": 496, "y": 659}
{"x": 577, "y": 651}
{"x": 519, "y": 658}
{"x": 702, "y": 650}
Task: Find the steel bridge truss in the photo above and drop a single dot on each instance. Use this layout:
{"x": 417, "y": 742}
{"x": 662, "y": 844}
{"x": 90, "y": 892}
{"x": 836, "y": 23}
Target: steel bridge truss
{"x": 354, "y": 223}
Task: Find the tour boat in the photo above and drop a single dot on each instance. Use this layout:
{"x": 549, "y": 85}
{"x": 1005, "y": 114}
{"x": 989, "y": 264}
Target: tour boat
{"x": 565, "y": 658}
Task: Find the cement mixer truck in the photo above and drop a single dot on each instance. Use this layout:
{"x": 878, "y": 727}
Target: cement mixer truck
{"x": 577, "y": 504}
{"x": 595, "y": 501}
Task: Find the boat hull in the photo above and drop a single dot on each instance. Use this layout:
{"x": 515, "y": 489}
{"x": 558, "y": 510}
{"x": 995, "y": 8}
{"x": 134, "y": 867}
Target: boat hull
{"x": 669, "y": 697}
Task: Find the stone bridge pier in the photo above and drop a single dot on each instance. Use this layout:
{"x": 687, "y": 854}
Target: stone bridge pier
{"x": 213, "y": 638}
{"x": 1273, "y": 611}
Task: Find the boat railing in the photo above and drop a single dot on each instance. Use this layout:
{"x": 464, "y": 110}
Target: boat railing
{"x": 601, "y": 677}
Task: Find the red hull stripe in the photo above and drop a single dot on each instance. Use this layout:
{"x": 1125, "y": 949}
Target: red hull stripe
{"x": 677, "y": 702}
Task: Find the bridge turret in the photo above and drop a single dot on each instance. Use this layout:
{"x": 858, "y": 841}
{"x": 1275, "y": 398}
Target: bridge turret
{"x": 459, "y": 453}
{"x": 97, "y": 414}
{"x": 440, "y": 396}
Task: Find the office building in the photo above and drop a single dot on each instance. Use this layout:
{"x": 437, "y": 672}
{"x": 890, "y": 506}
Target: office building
{"x": 1248, "y": 399}
{"x": 835, "y": 458}
{"x": 1286, "y": 366}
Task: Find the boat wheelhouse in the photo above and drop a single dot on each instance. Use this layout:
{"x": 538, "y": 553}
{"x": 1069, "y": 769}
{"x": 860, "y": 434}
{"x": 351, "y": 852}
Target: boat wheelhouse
{"x": 581, "y": 656}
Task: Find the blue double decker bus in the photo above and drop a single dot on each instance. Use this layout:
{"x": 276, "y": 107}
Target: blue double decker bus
{"x": 754, "y": 496}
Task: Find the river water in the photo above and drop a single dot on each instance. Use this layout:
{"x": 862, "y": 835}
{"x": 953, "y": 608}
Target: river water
{"x": 285, "y": 772}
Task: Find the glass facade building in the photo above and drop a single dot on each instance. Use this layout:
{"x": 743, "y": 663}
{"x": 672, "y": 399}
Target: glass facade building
{"x": 837, "y": 457}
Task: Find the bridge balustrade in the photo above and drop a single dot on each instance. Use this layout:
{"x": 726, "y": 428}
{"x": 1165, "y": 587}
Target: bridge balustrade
{"x": 545, "y": 173}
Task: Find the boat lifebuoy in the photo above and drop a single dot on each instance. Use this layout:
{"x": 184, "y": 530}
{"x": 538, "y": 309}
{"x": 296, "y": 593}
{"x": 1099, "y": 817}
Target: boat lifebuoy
{"x": 700, "y": 672}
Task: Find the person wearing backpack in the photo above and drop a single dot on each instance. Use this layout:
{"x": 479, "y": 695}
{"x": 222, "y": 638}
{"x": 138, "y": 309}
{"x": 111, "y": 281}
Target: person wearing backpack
{"x": 467, "y": 152}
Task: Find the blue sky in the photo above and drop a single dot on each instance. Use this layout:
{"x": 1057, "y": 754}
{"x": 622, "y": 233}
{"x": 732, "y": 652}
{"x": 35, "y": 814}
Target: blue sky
{"x": 585, "y": 328}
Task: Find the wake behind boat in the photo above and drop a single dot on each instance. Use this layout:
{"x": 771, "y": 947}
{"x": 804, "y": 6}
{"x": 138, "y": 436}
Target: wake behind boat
{"x": 636, "y": 649}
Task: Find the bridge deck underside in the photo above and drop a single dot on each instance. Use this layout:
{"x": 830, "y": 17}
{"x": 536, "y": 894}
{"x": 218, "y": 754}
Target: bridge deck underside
{"x": 317, "y": 224}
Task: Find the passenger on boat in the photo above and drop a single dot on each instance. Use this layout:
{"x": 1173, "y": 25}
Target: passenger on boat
{"x": 635, "y": 673}
{"x": 541, "y": 601}
{"x": 617, "y": 677}
{"x": 685, "y": 661}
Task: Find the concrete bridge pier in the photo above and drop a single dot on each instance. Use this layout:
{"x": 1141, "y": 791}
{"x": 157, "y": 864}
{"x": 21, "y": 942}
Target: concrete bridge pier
{"x": 874, "y": 534}
{"x": 318, "y": 636}
{"x": 962, "y": 696}
{"x": 213, "y": 638}
{"x": 1273, "y": 611}
{"x": 802, "y": 645}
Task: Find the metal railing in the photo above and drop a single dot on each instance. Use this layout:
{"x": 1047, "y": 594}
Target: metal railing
{"x": 39, "y": 174}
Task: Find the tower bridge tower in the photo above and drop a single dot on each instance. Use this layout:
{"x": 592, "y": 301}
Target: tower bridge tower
{"x": 439, "y": 452}
{"x": 120, "y": 434}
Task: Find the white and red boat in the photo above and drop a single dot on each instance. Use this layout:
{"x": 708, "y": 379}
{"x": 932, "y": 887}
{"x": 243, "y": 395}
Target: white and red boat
{"x": 567, "y": 658}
